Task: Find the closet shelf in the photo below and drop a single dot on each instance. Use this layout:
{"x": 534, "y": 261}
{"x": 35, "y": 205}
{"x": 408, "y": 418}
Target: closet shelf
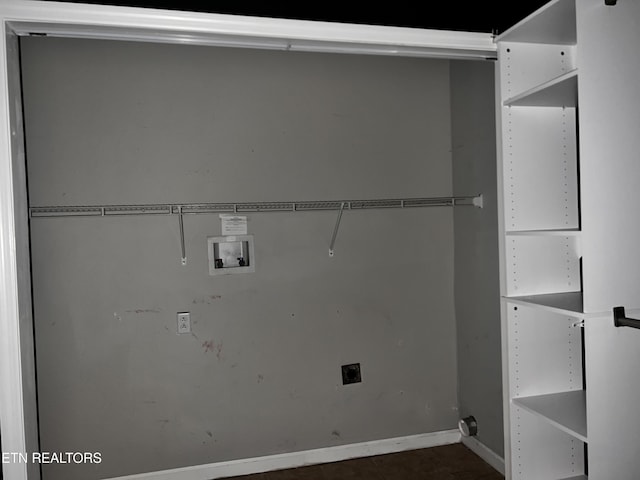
{"x": 567, "y": 303}
{"x": 250, "y": 207}
{"x": 545, "y": 233}
{"x": 561, "y": 91}
{"x": 566, "y": 411}
{"x": 254, "y": 207}
{"x": 554, "y": 23}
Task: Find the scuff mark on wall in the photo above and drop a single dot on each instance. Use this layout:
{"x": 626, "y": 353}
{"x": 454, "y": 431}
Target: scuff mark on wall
{"x": 143, "y": 310}
{"x": 211, "y": 346}
{"x": 208, "y": 299}
{"x": 208, "y": 346}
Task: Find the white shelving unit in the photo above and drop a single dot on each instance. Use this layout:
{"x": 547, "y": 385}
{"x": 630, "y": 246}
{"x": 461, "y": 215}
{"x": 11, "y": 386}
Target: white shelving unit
{"x": 554, "y": 23}
{"x": 569, "y": 252}
{"x": 565, "y": 410}
{"x": 541, "y": 250}
{"x": 563, "y": 303}
{"x": 560, "y": 233}
{"x": 558, "y": 92}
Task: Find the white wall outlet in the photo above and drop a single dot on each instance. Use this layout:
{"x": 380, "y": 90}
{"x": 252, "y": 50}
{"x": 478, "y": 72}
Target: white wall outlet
{"x": 184, "y": 322}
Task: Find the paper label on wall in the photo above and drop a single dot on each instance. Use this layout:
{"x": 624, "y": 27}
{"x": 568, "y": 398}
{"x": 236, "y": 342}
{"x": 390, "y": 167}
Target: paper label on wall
{"x": 233, "y": 224}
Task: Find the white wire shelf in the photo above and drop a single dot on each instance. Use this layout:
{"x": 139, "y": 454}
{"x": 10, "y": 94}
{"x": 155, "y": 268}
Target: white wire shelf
{"x": 248, "y": 207}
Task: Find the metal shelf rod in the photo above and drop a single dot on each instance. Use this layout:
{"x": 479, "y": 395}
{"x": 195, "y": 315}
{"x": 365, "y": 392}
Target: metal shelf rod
{"x": 182, "y": 247}
{"x": 335, "y": 230}
{"x": 253, "y": 207}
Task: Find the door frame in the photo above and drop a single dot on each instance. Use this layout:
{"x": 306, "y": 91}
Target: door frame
{"x": 18, "y": 412}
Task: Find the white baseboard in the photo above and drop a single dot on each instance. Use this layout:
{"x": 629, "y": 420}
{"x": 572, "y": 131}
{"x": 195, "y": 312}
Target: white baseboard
{"x": 299, "y": 459}
{"x": 485, "y": 453}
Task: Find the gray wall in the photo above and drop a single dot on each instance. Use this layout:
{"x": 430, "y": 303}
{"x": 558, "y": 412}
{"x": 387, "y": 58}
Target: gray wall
{"x": 122, "y": 123}
{"x": 477, "y": 289}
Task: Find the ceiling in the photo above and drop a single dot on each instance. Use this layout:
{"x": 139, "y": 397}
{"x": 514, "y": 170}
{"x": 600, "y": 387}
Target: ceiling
{"x": 463, "y": 15}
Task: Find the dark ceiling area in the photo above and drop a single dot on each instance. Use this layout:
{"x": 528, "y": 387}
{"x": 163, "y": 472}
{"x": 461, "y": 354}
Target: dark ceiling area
{"x": 464, "y": 15}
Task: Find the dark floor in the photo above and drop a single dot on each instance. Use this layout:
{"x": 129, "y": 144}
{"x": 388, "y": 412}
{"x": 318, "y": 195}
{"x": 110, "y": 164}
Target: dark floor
{"x": 451, "y": 462}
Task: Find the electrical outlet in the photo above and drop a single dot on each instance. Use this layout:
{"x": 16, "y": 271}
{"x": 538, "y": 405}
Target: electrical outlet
{"x": 184, "y": 322}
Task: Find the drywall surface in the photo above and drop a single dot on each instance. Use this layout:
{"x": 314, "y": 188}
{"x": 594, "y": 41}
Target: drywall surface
{"x": 477, "y": 295}
{"x": 132, "y": 123}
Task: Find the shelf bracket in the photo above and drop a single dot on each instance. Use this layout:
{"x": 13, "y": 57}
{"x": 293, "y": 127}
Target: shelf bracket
{"x": 620, "y": 319}
{"x": 184, "y": 253}
{"x": 335, "y": 230}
